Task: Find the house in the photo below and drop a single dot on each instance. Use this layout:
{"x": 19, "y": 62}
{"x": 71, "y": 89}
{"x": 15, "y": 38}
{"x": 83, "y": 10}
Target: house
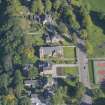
{"x": 35, "y": 100}
{"x": 45, "y": 67}
{"x": 30, "y": 83}
{"x": 53, "y": 38}
{"x": 69, "y": 2}
{"x": 48, "y": 93}
{"x": 26, "y": 69}
{"x": 47, "y": 38}
{"x": 48, "y": 19}
{"x": 55, "y": 51}
{"x": 56, "y": 39}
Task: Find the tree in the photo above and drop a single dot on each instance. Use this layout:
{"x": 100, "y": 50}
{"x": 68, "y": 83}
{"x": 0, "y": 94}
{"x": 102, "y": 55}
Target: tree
{"x": 64, "y": 3}
{"x": 15, "y": 8}
{"x": 29, "y": 54}
{"x": 3, "y": 83}
{"x": 56, "y": 4}
{"x": 83, "y": 34}
{"x": 99, "y": 101}
{"x": 102, "y": 16}
{"x": 18, "y": 82}
{"x": 87, "y": 22}
{"x": 37, "y": 6}
{"x": 58, "y": 98}
{"x": 7, "y": 62}
{"x": 89, "y": 48}
{"x": 34, "y": 7}
{"x": 62, "y": 28}
{"x": 48, "y": 5}
{"x": 18, "y": 78}
{"x": 33, "y": 72}
{"x": 84, "y": 12}
{"x": 24, "y": 101}
{"x": 72, "y": 18}
{"x": 9, "y": 100}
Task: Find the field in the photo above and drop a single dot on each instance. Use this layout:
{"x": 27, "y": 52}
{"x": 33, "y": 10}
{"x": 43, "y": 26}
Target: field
{"x": 71, "y": 71}
{"x": 96, "y": 5}
{"x": 91, "y": 71}
{"x": 98, "y": 45}
{"x": 67, "y": 71}
{"x": 98, "y": 28}
{"x": 99, "y": 71}
{"x": 69, "y": 52}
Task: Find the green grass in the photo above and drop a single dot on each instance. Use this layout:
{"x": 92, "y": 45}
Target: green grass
{"x": 91, "y": 71}
{"x": 96, "y": 5}
{"x": 97, "y": 34}
{"x": 69, "y": 57}
{"x": 96, "y": 37}
{"x": 71, "y": 70}
{"x": 69, "y": 52}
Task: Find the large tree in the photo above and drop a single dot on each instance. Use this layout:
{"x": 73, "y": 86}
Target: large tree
{"x": 37, "y": 6}
{"x": 89, "y": 47}
{"x": 24, "y": 101}
{"x": 58, "y": 98}
{"x": 18, "y": 82}
{"x": 48, "y": 5}
{"x": 56, "y": 4}
{"x": 62, "y": 28}
{"x": 15, "y": 8}
{"x": 4, "y": 83}
{"x": 71, "y": 17}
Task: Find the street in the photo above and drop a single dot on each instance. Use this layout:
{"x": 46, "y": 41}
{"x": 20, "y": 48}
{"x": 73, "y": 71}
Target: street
{"x": 83, "y": 69}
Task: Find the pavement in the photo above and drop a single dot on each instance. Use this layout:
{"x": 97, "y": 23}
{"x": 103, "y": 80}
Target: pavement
{"x": 83, "y": 64}
{"x": 82, "y": 60}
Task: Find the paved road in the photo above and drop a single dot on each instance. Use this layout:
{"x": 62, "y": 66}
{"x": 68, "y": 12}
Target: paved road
{"x": 83, "y": 70}
{"x": 83, "y": 63}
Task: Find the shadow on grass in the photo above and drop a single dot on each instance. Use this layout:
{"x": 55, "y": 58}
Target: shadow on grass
{"x": 99, "y": 101}
{"x": 97, "y": 21}
{"x": 103, "y": 86}
{"x": 71, "y": 90}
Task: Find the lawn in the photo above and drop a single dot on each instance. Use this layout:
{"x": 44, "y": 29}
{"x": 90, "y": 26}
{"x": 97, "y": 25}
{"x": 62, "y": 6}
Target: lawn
{"x": 71, "y": 70}
{"x": 96, "y": 35}
{"x": 69, "y": 56}
{"x": 69, "y": 52}
{"x": 96, "y": 5}
{"x": 97, "y": 39}
{"x": 91, "y": 71}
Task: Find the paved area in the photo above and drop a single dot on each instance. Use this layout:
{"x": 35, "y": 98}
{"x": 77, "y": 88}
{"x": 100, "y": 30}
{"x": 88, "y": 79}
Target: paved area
{"x": 83, "y": 70}
{"x": 83, "y": 64}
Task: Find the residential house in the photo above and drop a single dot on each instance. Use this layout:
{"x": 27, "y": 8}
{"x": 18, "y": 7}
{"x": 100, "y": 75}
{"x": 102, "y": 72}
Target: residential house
{"x": 35, "y": 100}
{"x": 56, "y": 51}
{"x": 47, "y": 38}
{"x": 45, "y": 68}
{"x": 48, "y": 19}
{"x": 26, "y": 69}
{"x": 56, "y": 39}
{"x": 30, "y": 83}
{"x": 53, "y": 38}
